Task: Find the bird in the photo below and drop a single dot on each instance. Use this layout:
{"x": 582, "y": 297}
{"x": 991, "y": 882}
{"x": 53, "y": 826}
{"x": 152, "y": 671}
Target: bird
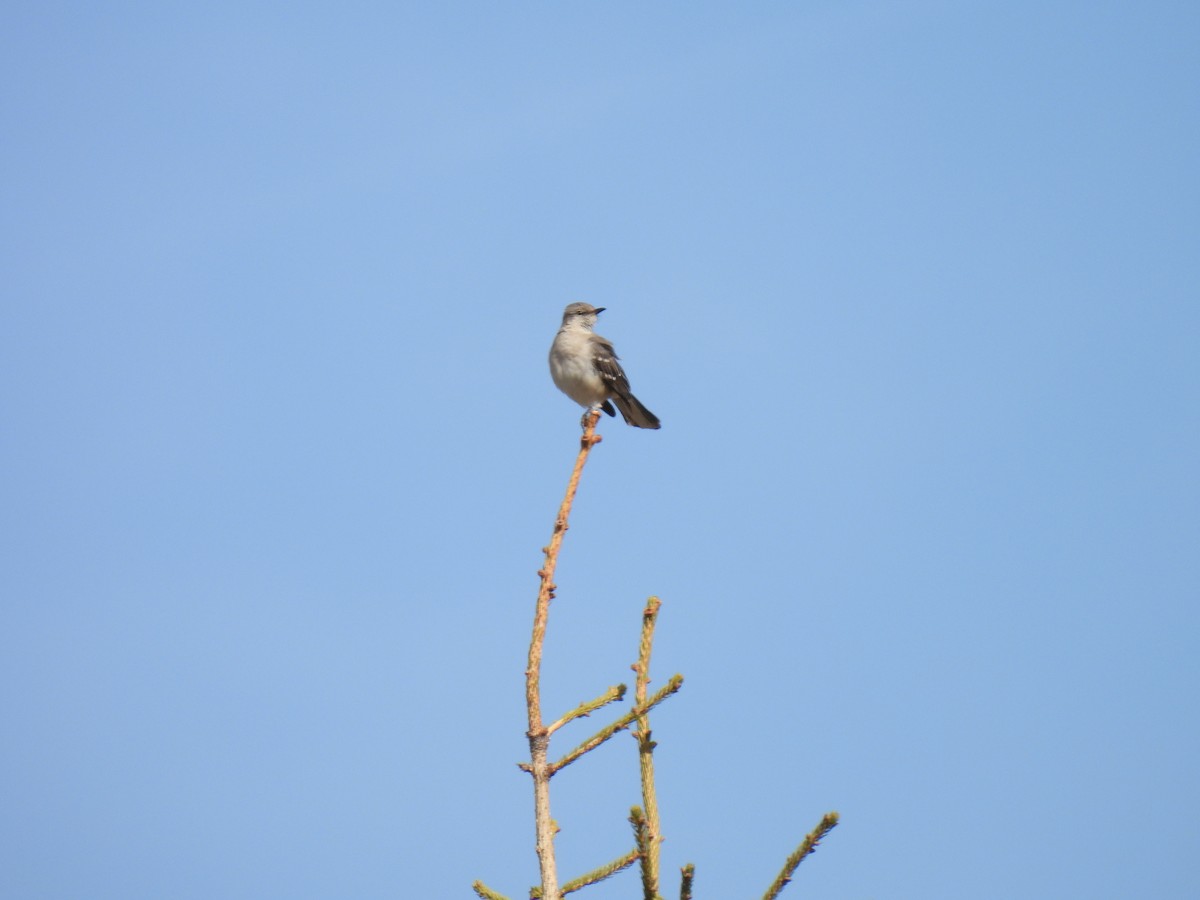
{"x": 585, "y": 367}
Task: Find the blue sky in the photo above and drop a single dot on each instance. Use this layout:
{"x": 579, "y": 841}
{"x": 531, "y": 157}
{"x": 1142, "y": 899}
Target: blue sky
{"x": 911, "y": 286}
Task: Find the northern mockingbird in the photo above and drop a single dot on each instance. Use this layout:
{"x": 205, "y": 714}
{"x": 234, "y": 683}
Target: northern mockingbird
{"x": 585, "y": 368}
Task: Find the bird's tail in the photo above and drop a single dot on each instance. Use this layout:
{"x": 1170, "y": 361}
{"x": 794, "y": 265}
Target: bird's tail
{"x": 634, "y": 413}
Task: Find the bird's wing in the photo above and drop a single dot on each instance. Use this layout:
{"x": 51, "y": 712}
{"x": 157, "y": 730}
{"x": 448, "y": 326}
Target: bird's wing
{"x": 608, "y": 365}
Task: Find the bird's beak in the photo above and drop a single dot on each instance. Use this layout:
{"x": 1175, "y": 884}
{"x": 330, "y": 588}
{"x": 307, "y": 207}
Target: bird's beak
{"x": 599, "y": 309}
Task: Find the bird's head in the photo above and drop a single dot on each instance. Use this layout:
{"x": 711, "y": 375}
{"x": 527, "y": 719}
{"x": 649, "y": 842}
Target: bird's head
{"x": 581, "y": 315}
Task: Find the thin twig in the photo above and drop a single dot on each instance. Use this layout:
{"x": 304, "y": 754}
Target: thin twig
{"x": 605, "y": 871}
{"x": 613, "y": 694}
{"x": 641, "y": 836}
{"x": 808, "y": 845}
{"x": 621, "y": 724}
{"x": 539, "y": 735}
{"x": 649, "y": 860}
{"x": 486, "y": 892}
{"x": 685, "y": 885}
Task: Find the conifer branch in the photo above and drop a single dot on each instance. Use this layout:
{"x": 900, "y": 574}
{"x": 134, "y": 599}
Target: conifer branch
{"x": 619, "y": 725}
{"x": 539, "y": 735}
{"x": 641, "y": 837}
{"x": 649, "y": 860}
{"x": 605, "y": 871}
{"x": 486, "y": 892}
{"x": 613, "y": 694}
{"x": 808, "y": 845}
{"x": 644, "y": 819}
{"x": 688, "y": 873}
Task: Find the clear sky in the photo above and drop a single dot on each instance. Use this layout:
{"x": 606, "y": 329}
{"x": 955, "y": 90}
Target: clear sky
{"x": 913, "y": 288}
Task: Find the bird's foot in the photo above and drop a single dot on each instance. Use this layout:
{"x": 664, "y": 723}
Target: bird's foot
{"x": 589, "y": 420}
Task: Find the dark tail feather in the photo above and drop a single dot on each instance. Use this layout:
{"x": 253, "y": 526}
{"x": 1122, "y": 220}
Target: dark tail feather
{"x": 634, "y": 413}
{"x": 607, "y": 407}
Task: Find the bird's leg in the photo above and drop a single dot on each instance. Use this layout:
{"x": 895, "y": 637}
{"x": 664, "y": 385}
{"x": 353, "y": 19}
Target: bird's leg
{"x": 588, "y": 423}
